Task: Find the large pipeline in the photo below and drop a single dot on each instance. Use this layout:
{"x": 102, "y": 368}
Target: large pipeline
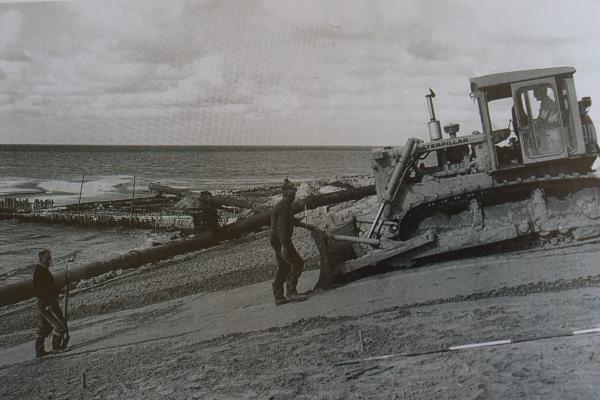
{"x": 167, "y": 189}
{"x": 23, "y": 290}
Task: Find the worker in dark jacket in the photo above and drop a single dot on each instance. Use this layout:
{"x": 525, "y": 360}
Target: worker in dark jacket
{"x": 50, "y": 316}
{"x": 205, "y": 217}
{"x": 289, "y": 263}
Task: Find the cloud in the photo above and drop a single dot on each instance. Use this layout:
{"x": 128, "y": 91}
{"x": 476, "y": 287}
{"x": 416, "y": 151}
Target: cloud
{"x": 269, "y": 71}
{"x": 11, "y": 28}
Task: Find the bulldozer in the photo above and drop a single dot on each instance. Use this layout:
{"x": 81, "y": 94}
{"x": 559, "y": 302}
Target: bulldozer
{"x": 529, "y": 182}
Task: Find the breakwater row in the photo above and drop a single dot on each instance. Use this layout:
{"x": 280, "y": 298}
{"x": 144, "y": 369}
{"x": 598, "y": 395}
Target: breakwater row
{"x": 13, "y": 204}
{"x": 151, "y": 221}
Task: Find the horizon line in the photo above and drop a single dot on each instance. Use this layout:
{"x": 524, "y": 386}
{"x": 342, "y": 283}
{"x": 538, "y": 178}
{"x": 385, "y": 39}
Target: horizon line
{"x": 179, "y": 145}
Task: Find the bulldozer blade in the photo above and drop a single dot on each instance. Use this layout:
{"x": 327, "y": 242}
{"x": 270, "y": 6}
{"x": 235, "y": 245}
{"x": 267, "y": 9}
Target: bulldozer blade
{"x": 331, "y": 255}
{"x": 339, "y": 257}
{"x": 395, "y": 249}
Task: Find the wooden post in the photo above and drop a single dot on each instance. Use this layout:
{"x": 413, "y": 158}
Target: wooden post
{"x": 132, "y": 196}
{"x": 80, "y": 191}
{"x": 362, "y": 343}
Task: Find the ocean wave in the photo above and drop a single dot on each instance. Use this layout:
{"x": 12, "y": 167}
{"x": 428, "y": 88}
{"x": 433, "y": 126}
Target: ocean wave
{"x": 65, "y": 191}
{"x": 91, "y": 186}
{"x": 12, "y": 252}
{"x": 39, "y": 236}
{"x": 15, "y": 186}
{"x": 90, "y": 237}
{"x": 27, "y": 269}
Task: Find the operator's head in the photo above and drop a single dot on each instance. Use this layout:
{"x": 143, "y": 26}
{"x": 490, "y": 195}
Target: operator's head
{"x": 540, "y": 93}
{"x": 45, "y": 257}
{"x": 288, "y": 190}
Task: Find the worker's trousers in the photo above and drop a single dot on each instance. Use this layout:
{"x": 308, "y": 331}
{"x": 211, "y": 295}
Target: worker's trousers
{"x": 290, "y": 266}
{"x": 51, "y": 319}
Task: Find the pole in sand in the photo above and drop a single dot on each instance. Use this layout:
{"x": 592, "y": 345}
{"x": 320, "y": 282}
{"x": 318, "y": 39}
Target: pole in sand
{"x": 66, "y": 337}
{"x": 132, "y": 195}
{"x": 80, "y": 191}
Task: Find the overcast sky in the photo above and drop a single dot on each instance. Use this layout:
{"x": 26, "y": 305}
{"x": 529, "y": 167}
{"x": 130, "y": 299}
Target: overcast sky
{"x": 300, "y": 72}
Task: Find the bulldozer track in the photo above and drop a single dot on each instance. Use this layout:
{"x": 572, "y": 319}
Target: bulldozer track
{"x": 504, "y": 192}
{"x": 518, "y": 185}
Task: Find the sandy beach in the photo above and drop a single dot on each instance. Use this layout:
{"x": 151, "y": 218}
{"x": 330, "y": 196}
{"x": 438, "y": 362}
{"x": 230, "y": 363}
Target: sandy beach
{"x": 203, "y": 325}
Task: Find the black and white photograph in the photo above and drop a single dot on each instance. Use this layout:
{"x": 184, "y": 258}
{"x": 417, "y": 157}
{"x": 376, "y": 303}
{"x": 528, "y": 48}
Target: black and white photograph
{"x": 299, "y": 199}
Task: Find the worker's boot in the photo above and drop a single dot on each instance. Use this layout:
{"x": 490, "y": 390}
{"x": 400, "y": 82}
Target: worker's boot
{"x": 65, "y": 341}
{"x": 291, "y": 289}
{"x": 39, "y": 347}
{"x": 56, "y": 343}
{"x": 278, "y": 294}
{"x": 291, "y": 284}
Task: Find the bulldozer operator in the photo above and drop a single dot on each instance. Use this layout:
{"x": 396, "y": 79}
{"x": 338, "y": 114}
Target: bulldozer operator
{"x": 547, "y": 121}
{"x": 548, "y": 113}
{"x": 290, "y": 264}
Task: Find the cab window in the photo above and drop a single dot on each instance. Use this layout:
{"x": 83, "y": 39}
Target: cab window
{"x": 566, "y": 114}
{"x": 539, "y": 121}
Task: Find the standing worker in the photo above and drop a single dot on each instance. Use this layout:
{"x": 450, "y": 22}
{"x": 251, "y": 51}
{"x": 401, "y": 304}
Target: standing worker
{"x": 289, "y": 263}
{"x": 50, "y": 316}
{"x": 205, "y": 217}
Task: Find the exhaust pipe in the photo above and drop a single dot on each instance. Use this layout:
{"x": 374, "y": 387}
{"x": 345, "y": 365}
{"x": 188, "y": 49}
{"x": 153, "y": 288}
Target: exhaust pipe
{"x": 435, "y": 130}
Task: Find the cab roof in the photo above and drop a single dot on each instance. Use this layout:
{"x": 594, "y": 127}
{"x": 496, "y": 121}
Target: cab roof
{"x": 504, "y": 78}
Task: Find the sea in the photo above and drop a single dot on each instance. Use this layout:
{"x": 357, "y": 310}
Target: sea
{"x": 63, "y": 173}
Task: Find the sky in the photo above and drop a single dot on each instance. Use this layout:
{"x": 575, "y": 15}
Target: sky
{"x": 270, "y": 72}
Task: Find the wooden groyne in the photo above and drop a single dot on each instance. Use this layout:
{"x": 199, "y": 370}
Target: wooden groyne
{"x": 140, "y": 213}
{"x": 11, "y": 204}
{"x": 23, "y": 290}
{"x": 136, "y": 205}
{"x": 152, "y": 221}
{"x": 156, "y": 213}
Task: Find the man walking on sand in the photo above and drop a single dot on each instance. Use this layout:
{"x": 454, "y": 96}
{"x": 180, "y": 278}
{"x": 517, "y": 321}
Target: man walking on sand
{"x": 289, "y": 263}
{"x": 50, "y": 316}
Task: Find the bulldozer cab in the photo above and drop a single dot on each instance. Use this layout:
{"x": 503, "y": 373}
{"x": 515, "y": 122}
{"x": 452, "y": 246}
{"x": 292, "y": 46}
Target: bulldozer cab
{"x": 530, "y": 116}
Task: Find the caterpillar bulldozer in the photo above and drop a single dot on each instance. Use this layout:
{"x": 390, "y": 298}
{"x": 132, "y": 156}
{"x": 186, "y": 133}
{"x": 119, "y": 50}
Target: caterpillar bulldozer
{"x": 530, "y": 182}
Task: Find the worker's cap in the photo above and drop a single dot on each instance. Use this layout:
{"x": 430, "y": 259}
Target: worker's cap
{"x": 288, "y": 187}
{"x": 43, "y": 252}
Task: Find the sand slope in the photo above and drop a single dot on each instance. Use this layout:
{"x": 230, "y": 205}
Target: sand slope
{"x": 236, "y": 344}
